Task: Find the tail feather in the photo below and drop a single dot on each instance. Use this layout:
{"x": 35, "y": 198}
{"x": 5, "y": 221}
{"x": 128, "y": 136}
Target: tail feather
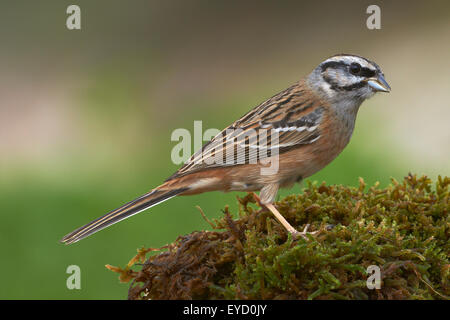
{"x": 127, "y": 210}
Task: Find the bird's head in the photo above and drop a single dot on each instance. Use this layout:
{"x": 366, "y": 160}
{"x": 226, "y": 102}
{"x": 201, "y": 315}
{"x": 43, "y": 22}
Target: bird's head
{"x": 349, "y": 79}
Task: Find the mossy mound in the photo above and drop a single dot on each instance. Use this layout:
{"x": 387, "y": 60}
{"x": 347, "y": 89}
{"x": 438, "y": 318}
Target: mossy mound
{"x": 403, "y": 229}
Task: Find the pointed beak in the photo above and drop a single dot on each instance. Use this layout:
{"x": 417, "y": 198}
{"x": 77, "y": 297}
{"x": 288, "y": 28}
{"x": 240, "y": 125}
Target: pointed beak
{"x": 379, "y": 84}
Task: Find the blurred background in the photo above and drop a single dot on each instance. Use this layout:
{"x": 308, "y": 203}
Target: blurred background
{"x": 86, "y": 115}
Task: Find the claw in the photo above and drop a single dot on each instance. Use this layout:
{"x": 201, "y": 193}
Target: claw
{"x": 304, "y": 233}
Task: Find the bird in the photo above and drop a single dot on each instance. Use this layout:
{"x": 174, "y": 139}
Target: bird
{"x": 278, "y": 143}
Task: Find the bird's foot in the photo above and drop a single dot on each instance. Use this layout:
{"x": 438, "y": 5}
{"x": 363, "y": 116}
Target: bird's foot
{"x": 295, "y": 234}
{"x": 304, "y": 234}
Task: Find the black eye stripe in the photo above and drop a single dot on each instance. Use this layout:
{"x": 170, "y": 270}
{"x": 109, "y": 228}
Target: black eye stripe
{"x": 365, "y": 72}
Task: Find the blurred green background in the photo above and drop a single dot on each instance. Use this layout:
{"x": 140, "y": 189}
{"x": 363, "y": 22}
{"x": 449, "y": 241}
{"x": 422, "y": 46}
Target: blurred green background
{"x": 86, "y": 116}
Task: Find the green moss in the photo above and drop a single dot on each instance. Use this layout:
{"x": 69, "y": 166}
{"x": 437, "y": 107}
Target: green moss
{"x": 403, "y": 229}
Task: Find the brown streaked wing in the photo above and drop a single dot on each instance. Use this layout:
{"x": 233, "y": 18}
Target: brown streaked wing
{"x": 295, "y": 127}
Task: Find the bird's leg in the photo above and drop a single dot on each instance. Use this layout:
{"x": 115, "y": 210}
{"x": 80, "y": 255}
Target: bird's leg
{"x": 295, "y": 234}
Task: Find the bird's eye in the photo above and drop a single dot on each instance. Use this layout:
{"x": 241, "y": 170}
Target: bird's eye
{"x": 355, "y": 68}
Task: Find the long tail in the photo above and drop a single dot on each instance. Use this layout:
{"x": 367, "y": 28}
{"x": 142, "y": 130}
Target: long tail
{"x": 127, "y": 210}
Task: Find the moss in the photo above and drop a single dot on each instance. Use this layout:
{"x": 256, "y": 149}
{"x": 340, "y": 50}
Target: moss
{"x": 403, "y": 229}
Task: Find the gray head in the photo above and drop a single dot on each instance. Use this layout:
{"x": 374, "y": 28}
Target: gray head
{"x": 348, "y": 79}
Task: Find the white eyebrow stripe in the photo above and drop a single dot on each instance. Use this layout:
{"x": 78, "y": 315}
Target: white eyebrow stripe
{"x": 350, "y": 59}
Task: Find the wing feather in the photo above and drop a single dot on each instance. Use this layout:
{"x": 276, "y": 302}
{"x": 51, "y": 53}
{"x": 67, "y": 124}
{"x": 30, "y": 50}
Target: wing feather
{"x": 285, "y": 121}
